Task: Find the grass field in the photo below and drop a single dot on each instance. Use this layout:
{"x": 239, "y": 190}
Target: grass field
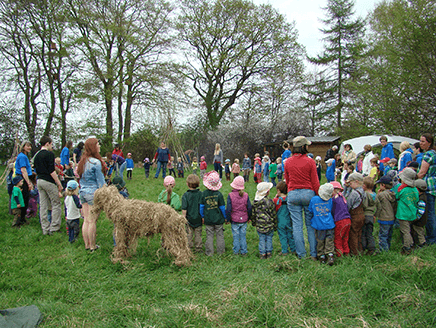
{"x": 75, "y": 288}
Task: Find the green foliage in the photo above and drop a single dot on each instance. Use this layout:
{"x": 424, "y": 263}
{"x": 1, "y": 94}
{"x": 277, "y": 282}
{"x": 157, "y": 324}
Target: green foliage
{"x": 143, "y": 143}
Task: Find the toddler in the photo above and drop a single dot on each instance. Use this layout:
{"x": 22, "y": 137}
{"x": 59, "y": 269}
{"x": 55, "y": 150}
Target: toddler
{"x": 318, "y": 167}
{"x": 342, "y": 220}
{"x": 17, "y": 201}
{"x": 279, "y": 171}
{"x": 69, "y": 172}
{"x": 213, "y": 212}
{"x": 238, "y": 212}
{"x": 203, "y": 167}
{"x": 147, "y": 167}
{"x": 355, "y": 199}
{"x": 374, "y": 168}
{"x": 191, "y": 211}
{"x": 264, "y": 219}
{"x": 227, "y": 169}
{"x": 265, "y": 164}
{"x": 246, "y": 167}
{"x": 180, "y": 168}
{"x": 168, "y": 196}
{"x": 194, "y": 165}
{"x": 72, "y": 210}
{"x": 330, "y": 172}
{"x": 368, "y": 242}
{"x": 236, "y": 169}
{"x": 273, "y": 173}
{"x": 60, "y": 171}
{"x": 257, "y": 168}
{"x": 284, "y": 223}
{"x": 170, "y": 167}
{"x": 129, "y": 166}
{"x": 385, "y": 206}
{"x": 321, "y": 219}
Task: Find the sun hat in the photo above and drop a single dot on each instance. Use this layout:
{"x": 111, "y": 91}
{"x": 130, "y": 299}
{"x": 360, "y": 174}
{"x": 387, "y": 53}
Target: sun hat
{"x": 329, "y": 161}
{"x": 300, "y": 141}
{"x": 336, "y": 185}
{"x": 227, "y": 160}
{"x": 238, "y": 183}
{"x": 421, "y": 184}
{"x": 146, "y": 159}
{"x": 118, "y": 182}
{"x": 169, "y": 180}
{"x": 72, "y": 185}
{"x": 129, "y": 154}
{"x": 318, "y": 158}
{"x": 326, "y": 191}
{"x": 408, "y": 176}
{"x": 211, "y": 181}
{"x": 310, "y": 155}
{"x": 262, "y": 190}
{"x": 355, "y": 177}
{"x": 385, "y": 160}
{"x": 16, "y": 180}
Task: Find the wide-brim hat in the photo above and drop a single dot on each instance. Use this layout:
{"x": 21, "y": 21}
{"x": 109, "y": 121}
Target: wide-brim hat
{"x": 408, "y": 176}
{"x": 329, "y": 161}
{"x": 238, "y": 183}
{"x": 169, "y": 180}
{"x": 326, "y": 191}
{"x": 300, "y": 141}
{"x": 421, "y": 184}
{"x": 262, "y": 190}
{"x": 16, "y": 180}
{"x": 336, "y": 185}
{"x": 72, "y": 185}
{"x": 118, "y": 182}
{"x": 355, "y": 177}
{"x": 211, "y": 180}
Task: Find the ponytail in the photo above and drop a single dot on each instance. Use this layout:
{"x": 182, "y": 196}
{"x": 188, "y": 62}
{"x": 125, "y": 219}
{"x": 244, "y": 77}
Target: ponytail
{"x": 169, "y": 189}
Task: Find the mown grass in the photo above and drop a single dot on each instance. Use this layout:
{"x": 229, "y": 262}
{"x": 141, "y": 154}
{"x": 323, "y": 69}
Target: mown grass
{"x": 74, "y": 288}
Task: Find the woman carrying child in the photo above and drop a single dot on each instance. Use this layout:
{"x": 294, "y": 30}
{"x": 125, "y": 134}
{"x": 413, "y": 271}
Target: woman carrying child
{"x": 238, "y": 212}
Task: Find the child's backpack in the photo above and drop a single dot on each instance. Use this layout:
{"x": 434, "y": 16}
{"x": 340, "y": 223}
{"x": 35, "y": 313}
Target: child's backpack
{"x": 279, "y": 169}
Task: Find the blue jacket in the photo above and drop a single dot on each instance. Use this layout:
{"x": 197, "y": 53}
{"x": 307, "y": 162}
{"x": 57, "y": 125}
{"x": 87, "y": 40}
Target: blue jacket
{"x": 92, "y": 177}
{"x": 65, "y": 156}
{"x": 407, "y": 157}
{"x": 130, "y": 164}
{"x": 321, "y": 213}
{"x": 387, "y": 151}
{"x": 330, "y": 172}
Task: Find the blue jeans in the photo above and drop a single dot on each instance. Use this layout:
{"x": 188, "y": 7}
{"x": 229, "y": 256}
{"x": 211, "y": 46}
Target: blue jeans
{"x": 217, "y": 167}
{"x": 121, "y": 168}
{"x": 265, "y": 242}
{"x": 239, "y": 230}
{"x": 265, "y": 178}
{"x": 273, "y": 180}
{"x": 286, "y": 234}
{"x": 298, "y": 200}
{"x": 430, "y": 227}
{"x": 164, "y": 169}
{"x": 385, "y": 236}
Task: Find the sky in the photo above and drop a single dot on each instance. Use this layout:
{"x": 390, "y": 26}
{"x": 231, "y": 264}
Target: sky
{"x": 307, "y": 14}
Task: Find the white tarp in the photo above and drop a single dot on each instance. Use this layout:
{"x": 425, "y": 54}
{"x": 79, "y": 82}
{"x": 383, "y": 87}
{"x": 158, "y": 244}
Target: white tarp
{"x": 359, "y": 143}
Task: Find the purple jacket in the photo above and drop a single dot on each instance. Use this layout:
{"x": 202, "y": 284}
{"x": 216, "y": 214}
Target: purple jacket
{"x": 340, "y": 209}
{"x": 238, "y": 208}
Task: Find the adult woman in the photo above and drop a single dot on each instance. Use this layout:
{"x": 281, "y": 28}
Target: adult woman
{"x": 91, "y": 170}
{"x": 427, "y": 171}
{"x": 348, "y": 155}
{"x": 23, "y": 169}
{"x": 163, "y": 157}
{"x": 77, "y": 153}
{"x": 366, "y": 163}
{"x": 302, "y": 181}
{"x": 218, "y": 160}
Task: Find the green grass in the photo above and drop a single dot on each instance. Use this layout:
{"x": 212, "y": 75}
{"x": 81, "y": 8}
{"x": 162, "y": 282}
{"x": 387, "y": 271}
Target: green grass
{"x": 74, "y": 288}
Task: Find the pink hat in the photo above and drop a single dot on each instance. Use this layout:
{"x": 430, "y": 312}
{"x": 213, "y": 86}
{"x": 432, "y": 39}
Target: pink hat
{"x": 129, "y": 154}
{"x": 238, "y": 183}
{"x": 202, "y": 158}
{"x": 336, "y": 185}
{"x": 211, "y": 180}
{"x": 169, "y": 180}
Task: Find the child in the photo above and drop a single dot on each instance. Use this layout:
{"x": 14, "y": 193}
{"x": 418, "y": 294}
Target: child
{"x": 238, "y": 213}
{"x": 273, "y": 173}
{"x": 203, "y": 167}
{"x": 60, "y": 171}
{"x": 331, "y": 168}
{"x": 213, "y": 212}
{"x": 227, "y": 169}
{"x": 407, "y": 197}
{"x": 265, "y": 164}
{"x": 32, "y": 208}
{"x": 359, "y": 165}
{"x": 418, "y": 225}
{"x": 180, "y": 168}
{"x": 257, "y": 168}
{"x": 355, "y": 199}
{"x": 342, "y": 220}
{"x": 147, "y": 167}
{"x": 171, "y": 167}
{"x": 236, "y": 169}
{"x": 279, "y": 171}
{"x": 17, "y": 201}
{"x": 246, "y": 167}
{"x": 168, "y": 196}
{"x": 318, "y": 167}
{"x": 194, "y": 165}
{"x": 385, "y": 205}
{"x": 368, "y": 242}
{"x": 191, "y": 211}
{"x": 264, "y": 219}
{"x": 69, "y": 172}
{"x": 374, "y": 168}
{"x": 284, "y": 223}
{"x": 320, "y": 216}
{"x": 72, "y": 210}
{"x": 129, "y": 166}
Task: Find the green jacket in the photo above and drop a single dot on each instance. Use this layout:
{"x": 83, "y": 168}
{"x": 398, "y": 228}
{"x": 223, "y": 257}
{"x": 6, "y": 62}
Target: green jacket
{"x": 213, "y": 205}
{"x": 407, "y": 198}
{"x": 264, "y": 216}
{"x": 175, "y": 200}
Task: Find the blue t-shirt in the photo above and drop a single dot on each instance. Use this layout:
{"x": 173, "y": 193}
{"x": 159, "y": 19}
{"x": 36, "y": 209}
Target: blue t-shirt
{"x": 286, "y": 154}
{"x": 322, "y": 213}
{"x": 65, "y": 156}
{"x": 22, "y": 161}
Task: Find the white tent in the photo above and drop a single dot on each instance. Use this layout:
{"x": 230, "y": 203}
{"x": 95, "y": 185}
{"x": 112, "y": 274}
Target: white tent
{"x": 359, "y": 143}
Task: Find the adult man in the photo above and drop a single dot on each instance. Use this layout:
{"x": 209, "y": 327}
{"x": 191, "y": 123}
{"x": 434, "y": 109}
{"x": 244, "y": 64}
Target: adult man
{"x": 387, "y": 150}
{"x": 65, "y": 154}
{"x": 49, "y": 187}
{"x": 331, "y": 153}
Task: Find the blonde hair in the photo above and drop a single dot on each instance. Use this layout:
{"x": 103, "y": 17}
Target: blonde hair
{"x": 217, "y": 149}
{"x": 236, "y": 161}
{"x": 69, "y": 192}
{"x": 404, "y": 145}
{"x": 23, "y": 144}
{"x": 278, "y": 160}
{"x": 169, "y": 189}
{"x": 257, "y": 155}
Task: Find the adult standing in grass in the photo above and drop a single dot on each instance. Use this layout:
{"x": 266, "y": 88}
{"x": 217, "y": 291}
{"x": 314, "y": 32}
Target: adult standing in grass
{"x": 49, "y": 187}
{"x": 162, "y": 157}
{"x": 77, "y": 153}
{"x": 302, "y": 181}
{"x": 218, "y": 160}
{"x": 91, "y": 170}
{"x": 23, "y": 169}
{"x": 387, "y": 151}
{"x": 65, "y": 153}
{"x": 427, "y": 171}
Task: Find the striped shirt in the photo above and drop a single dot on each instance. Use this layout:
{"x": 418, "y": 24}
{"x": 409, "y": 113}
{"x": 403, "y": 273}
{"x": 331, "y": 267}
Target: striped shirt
{"x": 430, "y": 176}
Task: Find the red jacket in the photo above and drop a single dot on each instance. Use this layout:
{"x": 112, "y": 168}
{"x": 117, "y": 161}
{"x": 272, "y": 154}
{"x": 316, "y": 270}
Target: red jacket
{"x": 203, "y": 165}
{"x": 300, "y": 173}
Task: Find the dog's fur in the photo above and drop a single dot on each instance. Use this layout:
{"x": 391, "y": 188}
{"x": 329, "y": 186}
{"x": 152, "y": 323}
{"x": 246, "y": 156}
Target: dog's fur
{"x": 138, "y": 218}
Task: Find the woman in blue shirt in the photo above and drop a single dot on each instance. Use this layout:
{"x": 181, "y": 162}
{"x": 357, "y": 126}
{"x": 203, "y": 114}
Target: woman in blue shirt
{"x": 23, "y": 169}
